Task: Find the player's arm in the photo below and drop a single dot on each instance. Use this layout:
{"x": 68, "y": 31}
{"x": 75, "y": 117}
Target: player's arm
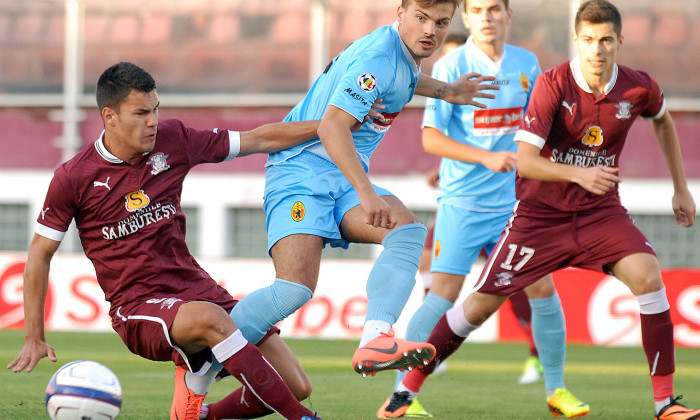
{"x": 596, "y": 179}
{"x": 666, "y": 135}
{"x": 336, "y": 136}
{"x": 270, "y": 138}
{"x": 460, "y": 92}
{"x": 437, "y": 143}
{"x": 36, "y": 284}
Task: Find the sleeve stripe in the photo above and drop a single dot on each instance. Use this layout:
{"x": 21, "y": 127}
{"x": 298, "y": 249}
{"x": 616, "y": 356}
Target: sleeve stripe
{"x": 660, "y": 113}
{"x": 234, "y": 140}
{"x": 528, "y": 137}
{"x": 50, "y": 233}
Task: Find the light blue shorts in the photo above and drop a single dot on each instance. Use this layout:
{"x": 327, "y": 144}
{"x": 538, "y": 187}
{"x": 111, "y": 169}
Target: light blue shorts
{"x": 309, "y": 195}
{"x": 461, "y": 234}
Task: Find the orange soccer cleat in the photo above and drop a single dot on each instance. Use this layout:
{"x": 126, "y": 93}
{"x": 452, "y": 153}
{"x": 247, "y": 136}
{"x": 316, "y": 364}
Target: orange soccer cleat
{"x": 395, "y": 406}
{"x": 386, "y": 352}
{"x": 186, "y": 404}
{"x": 676, "y": 411}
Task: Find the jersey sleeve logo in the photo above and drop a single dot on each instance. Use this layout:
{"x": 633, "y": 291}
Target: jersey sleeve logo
{"x": 136, "y": 200}
{"x": 367, "y": 82}
{"x": 593, "y": 136}
{"x": 298, "y": 211}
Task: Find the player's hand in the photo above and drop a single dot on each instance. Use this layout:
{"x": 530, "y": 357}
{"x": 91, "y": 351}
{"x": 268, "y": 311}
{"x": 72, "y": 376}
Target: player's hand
{"x": 599, "y": 179}
{"x": 373, "y": 113}
{"x": 469, "y": 86}
{"x": 684, "y": 208}
{"x": 377, "y": 211}
{"x": 433, "y": 177}
{"x": 32, "y": 352}
{"x": 500, "y": 161}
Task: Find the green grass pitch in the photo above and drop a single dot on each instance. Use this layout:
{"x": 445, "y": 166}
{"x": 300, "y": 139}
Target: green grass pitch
{"x": 481, "y": 381}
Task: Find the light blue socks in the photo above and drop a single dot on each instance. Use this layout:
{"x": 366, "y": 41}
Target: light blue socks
{"x": 549, "y": 332}
{"x": 259, "y": 311}
{"x": 423, "y": 321}
{"x": 394, "y": 273}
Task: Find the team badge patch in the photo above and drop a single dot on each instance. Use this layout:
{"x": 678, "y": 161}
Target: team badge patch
{"x": 136, "y": 200}
{"x": 436, "y": 249}
{"x": 524, "y": 82}
{"x": 593, "y": 137}
{"x": 298, "y": 211}
{"x": 159, "y": 163}
{"x": 623, "y": 110}
{"x": 367, "y": 82}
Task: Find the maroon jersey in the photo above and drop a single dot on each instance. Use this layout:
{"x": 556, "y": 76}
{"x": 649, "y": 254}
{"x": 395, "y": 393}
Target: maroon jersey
{"x": 128, "y": 216}
{"x": 573, "y": 127}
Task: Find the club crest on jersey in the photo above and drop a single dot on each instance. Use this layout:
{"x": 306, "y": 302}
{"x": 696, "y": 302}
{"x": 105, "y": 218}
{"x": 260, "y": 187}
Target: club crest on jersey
{"x": 436, "y": 249}
{"x": 524, "y": 82}
{"x": 298, "y": 211}
{"x": 593, "y": 136}
{"x": 136, "y": 200}
{"x": 623, "y": 110}
{"x": 159, "y": 163}
{"x": 367, "y": 82}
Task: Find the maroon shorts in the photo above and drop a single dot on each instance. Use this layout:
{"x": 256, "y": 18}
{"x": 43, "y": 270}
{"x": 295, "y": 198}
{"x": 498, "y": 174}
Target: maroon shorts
{"x": 144, "y": 327}
{"x": 535, "y": 244}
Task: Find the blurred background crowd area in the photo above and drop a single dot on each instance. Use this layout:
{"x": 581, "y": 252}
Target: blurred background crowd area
{"x": 255, "y": 46}
{"x": 239, "y": 64}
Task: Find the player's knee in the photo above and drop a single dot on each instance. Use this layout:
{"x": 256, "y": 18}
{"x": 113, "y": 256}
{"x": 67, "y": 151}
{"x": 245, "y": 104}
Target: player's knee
{"x": 301, "y": 388}
{"x": 649, "y": 283}
{"x": 409, "y": 237}
{"x": 211, "y": 322}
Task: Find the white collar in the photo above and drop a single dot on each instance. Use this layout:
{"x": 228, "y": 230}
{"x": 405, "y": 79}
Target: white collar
{"x": 102, "y": 150}
{"x": 575, "y": 66}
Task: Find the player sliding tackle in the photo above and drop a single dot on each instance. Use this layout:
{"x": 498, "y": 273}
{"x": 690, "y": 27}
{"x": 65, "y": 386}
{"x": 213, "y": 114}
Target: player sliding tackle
{"x": 162, "y": 304}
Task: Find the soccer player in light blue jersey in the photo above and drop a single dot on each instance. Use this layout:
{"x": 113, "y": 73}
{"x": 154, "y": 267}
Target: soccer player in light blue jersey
{"x": 319, "y": 193}
{"x": 477, "y": 184}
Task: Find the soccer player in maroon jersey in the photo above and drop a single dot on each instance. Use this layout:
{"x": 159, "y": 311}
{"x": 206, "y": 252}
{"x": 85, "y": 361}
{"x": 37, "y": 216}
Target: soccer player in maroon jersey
{"x": 569, "y": 211}
{"x": 124, "y": 193}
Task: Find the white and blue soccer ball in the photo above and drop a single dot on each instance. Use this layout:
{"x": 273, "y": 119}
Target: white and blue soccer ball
{"x": 84, "y": 390}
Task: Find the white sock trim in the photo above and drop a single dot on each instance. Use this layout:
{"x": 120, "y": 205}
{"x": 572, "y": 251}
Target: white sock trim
{"x": 229, "y": 346}
{"x": 427, "y": 277}
{"x": 373, "y": 329}
{"x": 458, "y": 323}
{"x": 654, "y": 302}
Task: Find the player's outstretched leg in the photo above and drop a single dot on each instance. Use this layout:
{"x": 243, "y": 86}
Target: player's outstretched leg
{"x": 388, "y": 288}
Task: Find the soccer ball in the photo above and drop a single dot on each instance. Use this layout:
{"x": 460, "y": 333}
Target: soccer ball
{"x": 83, "y": 390}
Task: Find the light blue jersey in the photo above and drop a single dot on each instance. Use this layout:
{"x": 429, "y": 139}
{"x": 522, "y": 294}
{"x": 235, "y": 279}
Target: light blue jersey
{"x": 471, "y": 185}
{"x": 305, "y": 192}
{"x": 378, "y": 65}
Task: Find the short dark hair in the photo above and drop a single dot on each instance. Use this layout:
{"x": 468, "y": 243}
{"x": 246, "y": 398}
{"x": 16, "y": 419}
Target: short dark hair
{"x": 598, "y": 11}
{"x": 466, "y": 3}
{"x": 115, "y": 84}
{"x": 430, "y": 3}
